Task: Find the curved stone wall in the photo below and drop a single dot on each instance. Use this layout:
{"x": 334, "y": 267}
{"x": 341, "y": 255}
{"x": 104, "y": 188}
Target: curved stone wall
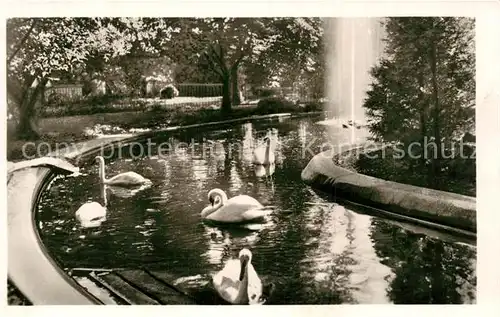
{"x": 30, "y": 267}
{"x": 441, "y": 207}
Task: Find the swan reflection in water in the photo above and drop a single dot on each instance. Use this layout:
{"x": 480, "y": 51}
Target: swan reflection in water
{"x": 222, "y": 239}
{"x": 216, "y": 149}
{"x": 267, "y": 172}
{"x": 264, "y": 170}
{"x": 247, "y": 143}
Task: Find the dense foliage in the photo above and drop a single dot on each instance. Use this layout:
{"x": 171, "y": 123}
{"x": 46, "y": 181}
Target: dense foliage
{"x": 259, "y": 49}
{"x": 424, "y": 90}
{"x": 275, "y": 105}
{"x": 123, "y": 51}
{"x": 69, "y": 48}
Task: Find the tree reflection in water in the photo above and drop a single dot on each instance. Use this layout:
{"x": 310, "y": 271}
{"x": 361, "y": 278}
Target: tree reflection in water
{"x": 427, "y": 270}
{"x": 312, "y": 250}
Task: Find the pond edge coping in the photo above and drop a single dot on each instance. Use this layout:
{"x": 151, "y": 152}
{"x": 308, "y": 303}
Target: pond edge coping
{"x": 53, "y": 286}
{"x": 429, "y": 205}
{"x": 30, "y": 267}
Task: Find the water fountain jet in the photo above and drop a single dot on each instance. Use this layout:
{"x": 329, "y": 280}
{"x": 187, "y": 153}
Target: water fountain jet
{"x": 353, "y": 47}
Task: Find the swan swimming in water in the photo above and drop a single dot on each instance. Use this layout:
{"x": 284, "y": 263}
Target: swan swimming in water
{"x": 240, "y": 208}
{"x": 263, "y": 154}
{"x": 124, "y": 179}
{"x": 93, "y": 214}
{"x": 238, "y": 282}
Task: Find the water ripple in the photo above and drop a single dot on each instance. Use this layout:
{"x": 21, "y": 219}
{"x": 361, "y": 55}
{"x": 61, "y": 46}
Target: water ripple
{"x": 313, "y": 250}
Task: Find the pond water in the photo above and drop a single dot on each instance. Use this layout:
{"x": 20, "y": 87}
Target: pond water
{"x": 313, "y": 250}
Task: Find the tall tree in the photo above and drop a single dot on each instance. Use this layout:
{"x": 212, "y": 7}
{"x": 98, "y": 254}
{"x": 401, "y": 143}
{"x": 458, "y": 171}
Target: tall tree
{"x": 297, "y": 56}
{"x": 227, "y": 44}
{"x": 427, "y": 74}
{"x": 39, "y": 47}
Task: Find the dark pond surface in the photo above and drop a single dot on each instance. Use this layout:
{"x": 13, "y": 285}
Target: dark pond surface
{"x": 314, "y": 251}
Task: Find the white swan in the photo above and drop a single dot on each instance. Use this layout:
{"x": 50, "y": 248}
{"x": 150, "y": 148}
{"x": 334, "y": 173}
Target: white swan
{"x": 238, "y": 282}
{"x": 93, "y": 214}
{"x": 263, "y": 154}
{"x": 124, "y": 179}
{"x": 240, "y": 208}
{"x": 127, "y": 192}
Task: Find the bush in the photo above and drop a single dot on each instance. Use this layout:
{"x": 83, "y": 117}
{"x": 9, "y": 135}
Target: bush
{"x": 169, "y": 92}
{"x": 457, "y": 175}
{"x": 58, "y": 106}
{"x": 264, "y": 92}
{"x": 92, "y": 105}
{"x": 314, "y": 106}
{"x": 157, "y": 107}
{"x": 55, "y": 100}
{"x": 267, "y": 92}
{"x": 102, "y": 100}
{"x": 275, "y": 105}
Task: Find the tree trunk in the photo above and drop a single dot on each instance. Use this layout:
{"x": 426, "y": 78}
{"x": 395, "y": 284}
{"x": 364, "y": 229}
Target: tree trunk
{"x": 27, "y": 128}
{"x": 438, "y": 291}
{"x": 436, "y": 166}
{"x": 226, "y": 93}
{"x": 423, "y": 122}
{"x": 235, "y": 90}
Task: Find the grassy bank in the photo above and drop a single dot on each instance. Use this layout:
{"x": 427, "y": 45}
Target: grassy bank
{"x": 72, "y": 129}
